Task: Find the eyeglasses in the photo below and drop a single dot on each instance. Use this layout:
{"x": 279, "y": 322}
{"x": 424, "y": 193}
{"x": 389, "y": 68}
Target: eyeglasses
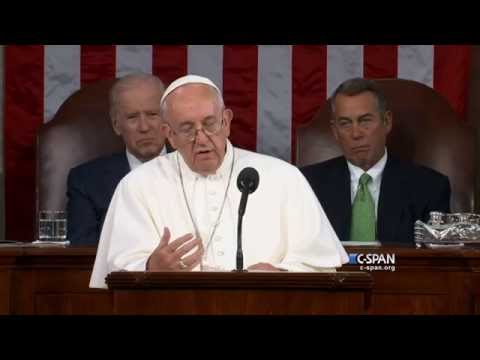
{"x": 210, "y": 128}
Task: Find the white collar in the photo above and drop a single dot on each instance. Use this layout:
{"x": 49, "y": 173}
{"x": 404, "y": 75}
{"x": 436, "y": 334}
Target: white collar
{"x": 375, "y": 171}
{"x": 134, "y": 162}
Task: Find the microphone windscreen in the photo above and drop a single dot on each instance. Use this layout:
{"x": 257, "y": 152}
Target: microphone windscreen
{"x": 248, "y": 180}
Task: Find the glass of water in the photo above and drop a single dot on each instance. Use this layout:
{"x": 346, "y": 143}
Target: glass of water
{"x": 60, "y": 218}
{"x": 52, "y": 225}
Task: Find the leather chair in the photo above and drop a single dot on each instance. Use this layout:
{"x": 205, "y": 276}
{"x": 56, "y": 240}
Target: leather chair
{"x": 426, "y": 130}
{"x": 80, "y": 131}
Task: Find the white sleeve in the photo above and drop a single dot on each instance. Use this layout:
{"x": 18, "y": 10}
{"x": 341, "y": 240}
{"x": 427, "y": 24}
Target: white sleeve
{"x": 129, "y": 234}
{"x": 312, "y": 243}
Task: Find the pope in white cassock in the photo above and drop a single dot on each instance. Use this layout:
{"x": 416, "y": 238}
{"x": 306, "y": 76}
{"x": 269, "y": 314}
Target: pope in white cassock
{"x": 180, "y": 211}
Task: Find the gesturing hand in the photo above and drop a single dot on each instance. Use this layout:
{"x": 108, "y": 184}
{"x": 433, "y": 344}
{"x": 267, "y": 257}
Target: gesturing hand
{"x": 172, "y": 255}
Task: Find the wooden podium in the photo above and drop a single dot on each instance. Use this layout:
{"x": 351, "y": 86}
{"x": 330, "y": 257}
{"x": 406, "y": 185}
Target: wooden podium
{"x": 47, "y": 281}
{"x": 233, "y": 293}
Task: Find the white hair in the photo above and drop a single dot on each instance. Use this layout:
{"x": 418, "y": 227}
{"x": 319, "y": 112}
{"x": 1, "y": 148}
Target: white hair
{"x": 129, "y": 81}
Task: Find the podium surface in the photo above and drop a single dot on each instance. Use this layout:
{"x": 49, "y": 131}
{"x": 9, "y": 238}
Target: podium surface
{"x": 240, "y": 293}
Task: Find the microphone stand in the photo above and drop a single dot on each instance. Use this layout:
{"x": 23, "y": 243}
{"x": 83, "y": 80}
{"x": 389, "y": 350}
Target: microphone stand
{"x": 247, "y": 183}
{"x": 241, "y": 212}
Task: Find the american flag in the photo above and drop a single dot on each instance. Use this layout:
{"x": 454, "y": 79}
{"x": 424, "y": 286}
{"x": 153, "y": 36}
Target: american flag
{"x": 270, "y": 88}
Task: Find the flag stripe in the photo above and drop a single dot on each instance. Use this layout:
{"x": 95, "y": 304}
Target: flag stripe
{"x": 206, "y": 60}
{"x": 24, "y": 99}
{"x": 169, "y": 62}
{"x": 309, "y": 84}
{"x": 240, "y": 69}
{"x": 271, "y": 89}
{"x": 415, "y": 62}
{"x": 62, "y": 76}
{"x": 451, "y": 74}
{"x": 343, "y": 62}
{"x": 97, "y": 63}
{"x": 274, "y": 111}
{"x": 133, "y": 59}
{"x": 380, "y": 61}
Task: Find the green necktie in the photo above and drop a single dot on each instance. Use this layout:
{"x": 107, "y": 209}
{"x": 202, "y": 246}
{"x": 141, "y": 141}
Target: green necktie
{"x": 363, "y": 212}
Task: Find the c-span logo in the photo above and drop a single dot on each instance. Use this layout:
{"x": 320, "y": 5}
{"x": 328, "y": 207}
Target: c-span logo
{"x": 372, "y": 262}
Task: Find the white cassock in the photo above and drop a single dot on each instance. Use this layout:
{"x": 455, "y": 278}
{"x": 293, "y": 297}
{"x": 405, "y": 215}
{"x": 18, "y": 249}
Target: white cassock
{"x": 284, "y": 223}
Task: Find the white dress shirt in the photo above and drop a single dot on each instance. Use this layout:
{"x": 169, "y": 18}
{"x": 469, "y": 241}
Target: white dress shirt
{"x": 284, "y": 223}
{"x": 134, "y": 162}
{"x": 375, "y": 172}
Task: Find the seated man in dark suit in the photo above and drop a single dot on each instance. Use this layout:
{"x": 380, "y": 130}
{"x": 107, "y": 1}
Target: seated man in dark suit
{"x": 368, "y": 194}
{"x": 135, "y": 116}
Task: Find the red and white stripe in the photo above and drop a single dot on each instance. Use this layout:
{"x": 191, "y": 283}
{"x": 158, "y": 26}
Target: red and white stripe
{"x": 270, "y": 75}
{"x": 271, "y": 89}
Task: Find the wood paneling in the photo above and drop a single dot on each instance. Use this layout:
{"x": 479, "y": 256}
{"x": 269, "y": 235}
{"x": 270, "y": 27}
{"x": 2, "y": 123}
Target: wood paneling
{"x": 55, "y": 281}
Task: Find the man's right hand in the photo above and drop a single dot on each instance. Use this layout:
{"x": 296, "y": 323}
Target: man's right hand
{"x": 171, "y": 255}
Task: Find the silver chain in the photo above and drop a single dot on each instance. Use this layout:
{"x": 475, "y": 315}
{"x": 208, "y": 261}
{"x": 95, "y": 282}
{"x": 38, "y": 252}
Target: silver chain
{"x": 215, "y": 225}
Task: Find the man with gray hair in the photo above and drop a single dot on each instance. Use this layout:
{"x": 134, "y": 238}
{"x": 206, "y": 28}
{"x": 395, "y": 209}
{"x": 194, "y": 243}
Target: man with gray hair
{"x": 135, "y": 116}
{"x": 284, "y": 228}
{"x": 368, "y": 194}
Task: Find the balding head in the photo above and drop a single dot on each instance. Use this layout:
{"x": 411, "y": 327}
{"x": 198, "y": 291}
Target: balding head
{"x": 132, "y": 81}
{"x": 135, "y": 114}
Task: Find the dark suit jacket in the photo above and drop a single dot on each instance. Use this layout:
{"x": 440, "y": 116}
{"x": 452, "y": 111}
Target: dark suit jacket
{"x": 408, "y": 193}
{"x": 90, "y": 188}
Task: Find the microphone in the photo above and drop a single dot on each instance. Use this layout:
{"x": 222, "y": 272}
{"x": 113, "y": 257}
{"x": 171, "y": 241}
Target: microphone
{"x": 247, "y": 183}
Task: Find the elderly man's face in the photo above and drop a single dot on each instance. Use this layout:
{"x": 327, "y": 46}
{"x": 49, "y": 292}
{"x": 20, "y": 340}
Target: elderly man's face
{"x": 360, "y": 129}
{"x": 137, "y": 120}
{"x": 198, "y": 126}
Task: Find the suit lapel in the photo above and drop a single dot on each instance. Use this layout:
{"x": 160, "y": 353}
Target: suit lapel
{"x": 341, "y": 203}
{"x": 117, "y": 169}
{"x": 391, "y": 201}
